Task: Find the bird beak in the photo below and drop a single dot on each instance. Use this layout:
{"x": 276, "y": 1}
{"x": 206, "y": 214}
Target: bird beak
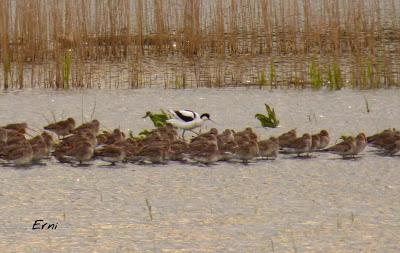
{"x": 212, "y": 121}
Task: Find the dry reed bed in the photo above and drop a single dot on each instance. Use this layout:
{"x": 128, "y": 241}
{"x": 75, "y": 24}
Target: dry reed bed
{"x": 192, "y": 43}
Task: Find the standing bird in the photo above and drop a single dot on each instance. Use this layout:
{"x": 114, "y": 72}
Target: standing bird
{"x": 187, "y": 120}
{"x": 92, "y": 127}
{"x": 61, "y": 128}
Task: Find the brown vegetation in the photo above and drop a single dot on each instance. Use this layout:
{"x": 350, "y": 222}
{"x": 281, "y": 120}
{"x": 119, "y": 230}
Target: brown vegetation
{"x": 192, "y": 43}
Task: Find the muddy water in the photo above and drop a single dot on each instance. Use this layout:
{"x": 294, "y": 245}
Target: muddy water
{"x": 323, "y": 204}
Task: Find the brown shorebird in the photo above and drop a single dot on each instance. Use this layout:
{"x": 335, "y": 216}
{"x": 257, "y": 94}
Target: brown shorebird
{"x": 154, "y": 152}
{"x": 39, "y": 148}
{"x": 227, "y": 150}
{"x": 48, "y": 139}
{"x": 19, "y": 127}
{"x": 324, "y": 139}
{"x": 392, "y": 148}
{"x": 300, "y": 145}
{"x": 60, "y": 151}
{"x": 247, "y": 134}
{"x": 345, "y": 148}
{"x": 14, "y": 137}
{"x": 81, "y": 136}
{"x": 383, "y": 139}
{"x": 382, "y": 135}
{"x": 225, "y": 137}
{"x": 61, "y": 128}
{"x": 81, "y": 151}
{"x": 269, "y": 148}
{"x": 110, "y": 137}
{"x": 20, "y": 154}
{"x": 93, "y": 127}
{"x": 3, "y": 135}
{"x": 361, "y": 143}
{"x": 130, "y": 147}
{"x": 111, "y": 153}
{"x": 287, "y": 138}
{"x": 178, "y": 150}
{"x": 166, "y": 131}
{"x": 205, "y": 136}
{"x": 315, "y": 142}
{"x": 102, "y": 138}
{"x": 247, "y": 151}
{"x": 205, "y": 152}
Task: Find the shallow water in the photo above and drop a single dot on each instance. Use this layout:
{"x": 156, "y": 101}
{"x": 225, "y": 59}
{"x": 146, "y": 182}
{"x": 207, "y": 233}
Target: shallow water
{"x": 323, "y": 204}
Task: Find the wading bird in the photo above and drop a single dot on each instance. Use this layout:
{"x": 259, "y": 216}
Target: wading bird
{"x": 187, "y": 120}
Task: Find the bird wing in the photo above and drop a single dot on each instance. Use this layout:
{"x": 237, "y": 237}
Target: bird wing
{"x": 185, "y": 115}
{"x": 296, "y": 143}
{"x": 342, "y": 147}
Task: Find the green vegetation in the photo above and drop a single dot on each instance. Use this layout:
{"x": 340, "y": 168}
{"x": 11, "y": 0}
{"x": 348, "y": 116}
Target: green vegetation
{"x": 263, "y": 78}
{"x": 272, "y": 74}
{"x": 180, "y": 81}
{"x": 315, "y": 75}
{"x": 269, "y": 120}
{"x": 143, "y": 134}
{"x": 66, "y": 69}
{"x": 335, "y": 77}
{"x": 158, "y": 119}
{"x": 344, "y": 137}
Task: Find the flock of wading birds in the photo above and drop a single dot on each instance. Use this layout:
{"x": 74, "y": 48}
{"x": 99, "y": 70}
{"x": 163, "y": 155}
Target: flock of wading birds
{"x": 84, "y": 143}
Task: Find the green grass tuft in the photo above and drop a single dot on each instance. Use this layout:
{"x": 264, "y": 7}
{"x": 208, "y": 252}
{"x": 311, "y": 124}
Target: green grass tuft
{"x": 158, "y": 119}
{"x": 272, "y": 74}
{"x": 335, "y": 77}
{"x": 269, "y": 120}
{"x": 67, "y": 61}
{"x": 315, "y": 75}
{"x": 263, "y": 78}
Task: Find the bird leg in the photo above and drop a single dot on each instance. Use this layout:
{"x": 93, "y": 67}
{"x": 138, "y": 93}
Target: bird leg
{"x": 183, "y": 134}
{"x": 194, "y": 132}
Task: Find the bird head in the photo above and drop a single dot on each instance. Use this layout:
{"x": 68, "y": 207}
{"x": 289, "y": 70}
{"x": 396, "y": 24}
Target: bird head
{"x": 206, "y": 116}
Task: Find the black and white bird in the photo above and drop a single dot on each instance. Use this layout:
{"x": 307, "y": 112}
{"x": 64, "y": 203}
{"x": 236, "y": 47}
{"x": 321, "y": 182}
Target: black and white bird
{"x": 187, "y": 120}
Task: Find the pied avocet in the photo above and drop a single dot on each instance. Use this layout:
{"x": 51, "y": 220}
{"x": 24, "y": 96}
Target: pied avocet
{"x": 187, "y": 120}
